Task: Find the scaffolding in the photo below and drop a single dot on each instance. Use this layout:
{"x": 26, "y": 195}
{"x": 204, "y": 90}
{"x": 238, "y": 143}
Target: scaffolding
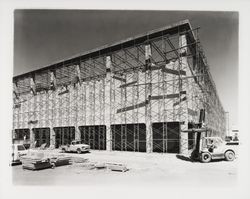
{"x": 143, "y": 91}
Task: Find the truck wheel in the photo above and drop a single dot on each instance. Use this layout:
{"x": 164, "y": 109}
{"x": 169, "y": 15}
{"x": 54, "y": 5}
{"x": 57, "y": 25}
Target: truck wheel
{"x": 63, "y": 150}
{"x": 53, "y": 165}
{"x": 229, "y": 155}
{"x": 79, "y": 151}
{"x": 206, "y": 157}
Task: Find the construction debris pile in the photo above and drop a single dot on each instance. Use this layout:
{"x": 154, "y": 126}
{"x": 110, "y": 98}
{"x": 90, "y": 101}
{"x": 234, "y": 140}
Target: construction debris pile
{"x": 105, "y": 166}
{"x": 37, "y": 160}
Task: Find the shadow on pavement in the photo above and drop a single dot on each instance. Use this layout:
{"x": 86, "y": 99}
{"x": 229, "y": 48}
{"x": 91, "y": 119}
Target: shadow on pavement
{"x": 182, "y": 157}
{"x": 84, "y": 152}
{"x": 219, "y": 160}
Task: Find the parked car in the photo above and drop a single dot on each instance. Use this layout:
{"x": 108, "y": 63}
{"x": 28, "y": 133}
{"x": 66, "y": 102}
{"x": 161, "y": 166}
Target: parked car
{"x": 75, "y": 146}
{"x": 18, "y": 150}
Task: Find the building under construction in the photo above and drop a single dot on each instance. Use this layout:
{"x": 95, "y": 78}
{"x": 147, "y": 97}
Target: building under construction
{"x": 134, "y": 95}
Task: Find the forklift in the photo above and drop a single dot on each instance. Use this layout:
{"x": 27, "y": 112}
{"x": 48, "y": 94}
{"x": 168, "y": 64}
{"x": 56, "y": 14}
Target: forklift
{"x": 206, "y": 148}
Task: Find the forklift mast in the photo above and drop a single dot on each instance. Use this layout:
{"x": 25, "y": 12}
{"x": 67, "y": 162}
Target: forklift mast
{"x": 201, "y": 121}
{"x": 198, "y": 131}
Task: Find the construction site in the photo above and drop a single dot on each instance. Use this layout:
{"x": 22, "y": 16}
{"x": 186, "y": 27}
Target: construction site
{"x": 136, "y": 95}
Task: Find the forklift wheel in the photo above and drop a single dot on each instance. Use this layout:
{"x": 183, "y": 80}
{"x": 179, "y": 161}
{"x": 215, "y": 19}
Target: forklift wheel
{"x": 229, "y": 155}
{"x": 206, "y": 157}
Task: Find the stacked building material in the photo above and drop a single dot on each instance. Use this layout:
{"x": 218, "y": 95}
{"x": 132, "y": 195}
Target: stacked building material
{"x": 33, "y": 164}
{"x": 39, "y": 160}
{"x": 60, "y": 160}
{"x": 87, "y": 165}
{"x": 35, "y": 161}
{"x": 100, "y": 166}
{"x": 116, "y": 167}
{"x": 79, "y": 159}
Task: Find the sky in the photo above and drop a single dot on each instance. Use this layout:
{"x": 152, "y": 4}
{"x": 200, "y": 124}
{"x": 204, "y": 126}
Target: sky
{"x": 42, "y": 37}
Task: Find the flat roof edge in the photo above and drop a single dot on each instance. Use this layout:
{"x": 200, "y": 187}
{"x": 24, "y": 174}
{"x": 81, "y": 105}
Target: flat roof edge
{"x": 106, "y": 46}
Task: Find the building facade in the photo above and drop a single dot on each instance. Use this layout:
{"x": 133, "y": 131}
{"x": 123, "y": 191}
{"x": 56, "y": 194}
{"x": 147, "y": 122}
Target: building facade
{"x": 134, "y": 95}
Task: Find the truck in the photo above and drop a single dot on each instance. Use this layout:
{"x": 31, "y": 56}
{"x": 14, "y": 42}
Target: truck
{"x": 75, "y": 146}
{"x": 18, "y": 150}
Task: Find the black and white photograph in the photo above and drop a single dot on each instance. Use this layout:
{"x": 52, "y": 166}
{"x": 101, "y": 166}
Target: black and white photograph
{"x": 119, "y": 98}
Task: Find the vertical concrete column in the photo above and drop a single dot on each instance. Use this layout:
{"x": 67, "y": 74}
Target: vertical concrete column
{"x": 77, "y": 133}
{"x": 84, "y": 104}
{"x": 183, "y": 86}
{"x": 33, "y": 117}
{"x": 30, "y": 99}
{"x": 165, "y": 118}
{"x": 52, "y": 79}
{"x": 78, "y": 72}
{"x": 32, "y": 85}
{"x": 32, "y": 126}
{"x": 108, "y": 104}
{"x": 148, "y": 93}
{"x": 52, "y": 123}
{"x": 76, "y": 109}
{"x": 52, "y": 95}
{"x": 77, "y": 104}
{"x": 31, "y": 135}
{"x": 14, "y": 110}
{"x": 52, "y": 136}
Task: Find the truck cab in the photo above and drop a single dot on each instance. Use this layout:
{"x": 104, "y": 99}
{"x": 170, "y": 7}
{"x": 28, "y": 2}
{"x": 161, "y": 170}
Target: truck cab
{"x": 18, "y": 150}
{"x": 75, "y": 146}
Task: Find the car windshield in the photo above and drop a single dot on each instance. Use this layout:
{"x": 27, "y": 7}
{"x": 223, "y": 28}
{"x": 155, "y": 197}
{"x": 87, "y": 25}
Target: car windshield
{"x": 78, "y": 142}
{"x": 20, "y": 148}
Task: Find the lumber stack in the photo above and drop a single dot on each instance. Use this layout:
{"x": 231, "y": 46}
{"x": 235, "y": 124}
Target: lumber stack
{"x": 117, "y": 167}
{"x": 36, "y": 160}
{"x": 35, "y": 164}
{"x": 79, "y": 159}
{"x": 60, "y": 161}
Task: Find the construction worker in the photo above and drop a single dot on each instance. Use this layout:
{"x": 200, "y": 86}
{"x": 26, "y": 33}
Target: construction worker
{"x": 211, "y": 146}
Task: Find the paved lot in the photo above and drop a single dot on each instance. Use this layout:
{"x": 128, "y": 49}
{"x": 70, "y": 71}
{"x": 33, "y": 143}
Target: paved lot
{"x": 143, "y": 168}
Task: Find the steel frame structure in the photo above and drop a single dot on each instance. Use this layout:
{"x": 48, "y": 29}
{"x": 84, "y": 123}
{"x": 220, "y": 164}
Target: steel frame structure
{"x": 161, "y": 76}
